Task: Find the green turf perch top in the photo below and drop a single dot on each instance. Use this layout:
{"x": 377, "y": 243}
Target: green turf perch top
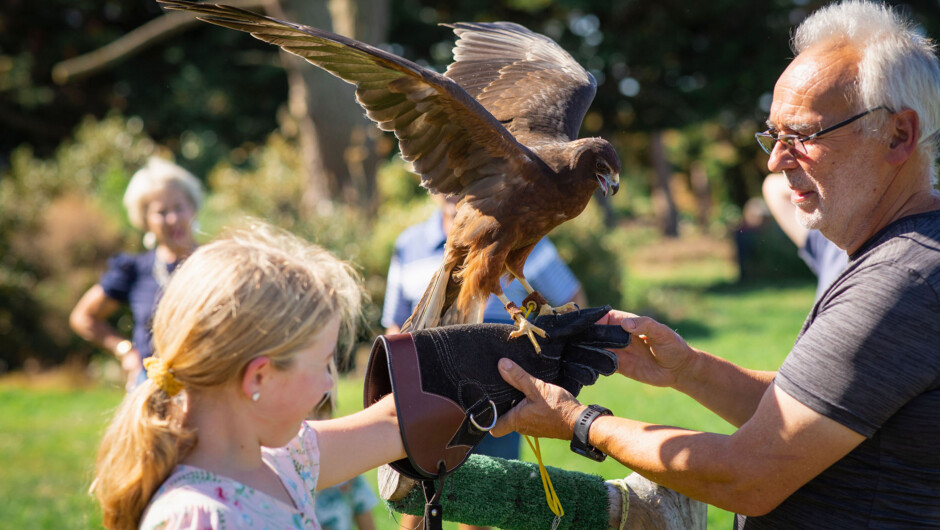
{"x": 508, "y": 494}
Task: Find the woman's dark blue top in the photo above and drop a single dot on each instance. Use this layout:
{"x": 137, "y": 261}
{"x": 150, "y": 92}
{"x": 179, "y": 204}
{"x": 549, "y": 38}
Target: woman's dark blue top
{"x": 129, "y": 280}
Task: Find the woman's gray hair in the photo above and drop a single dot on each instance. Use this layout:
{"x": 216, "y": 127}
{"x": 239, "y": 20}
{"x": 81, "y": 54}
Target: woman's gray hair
{"x": 898, "y": 66}
{"x": 158, "y": 175}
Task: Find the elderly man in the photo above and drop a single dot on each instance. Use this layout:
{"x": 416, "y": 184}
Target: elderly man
{"x": 846, "y": 433}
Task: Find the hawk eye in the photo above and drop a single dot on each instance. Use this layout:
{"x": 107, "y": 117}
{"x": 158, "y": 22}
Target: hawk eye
{"x": 600, "y": 165}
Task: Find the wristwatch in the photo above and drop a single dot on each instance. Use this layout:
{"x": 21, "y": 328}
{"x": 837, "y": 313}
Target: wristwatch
{"x": 579, "y": 442}
{"x": 123, "y": 348}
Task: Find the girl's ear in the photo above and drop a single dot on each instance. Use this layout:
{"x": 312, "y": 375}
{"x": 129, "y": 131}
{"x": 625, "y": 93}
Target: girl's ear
{"x": 256, "y": 372}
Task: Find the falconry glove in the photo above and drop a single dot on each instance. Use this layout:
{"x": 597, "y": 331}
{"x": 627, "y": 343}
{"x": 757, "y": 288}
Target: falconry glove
{"x": 449, "y": 393}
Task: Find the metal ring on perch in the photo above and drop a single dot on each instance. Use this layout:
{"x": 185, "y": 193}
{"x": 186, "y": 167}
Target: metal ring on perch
{"x": 495, "y": 417}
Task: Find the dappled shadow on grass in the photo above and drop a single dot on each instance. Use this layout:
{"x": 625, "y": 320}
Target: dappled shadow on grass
{"x": 750, "y": 286}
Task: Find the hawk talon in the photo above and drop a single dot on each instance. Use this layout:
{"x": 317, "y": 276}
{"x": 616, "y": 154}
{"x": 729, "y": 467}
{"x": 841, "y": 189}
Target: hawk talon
{"x": 529, "y": 329}
{"x": 561, "y": 310}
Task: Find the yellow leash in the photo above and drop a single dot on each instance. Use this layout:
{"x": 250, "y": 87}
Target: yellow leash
{"x": 551, "y": 498}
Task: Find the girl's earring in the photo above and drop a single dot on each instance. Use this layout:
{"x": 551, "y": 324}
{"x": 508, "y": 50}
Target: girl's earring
{"x": 256, "y": 396}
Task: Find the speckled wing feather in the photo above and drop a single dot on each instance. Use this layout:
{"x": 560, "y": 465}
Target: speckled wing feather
{"x": 450, "y": 140}
{"x": 528, "y": 82}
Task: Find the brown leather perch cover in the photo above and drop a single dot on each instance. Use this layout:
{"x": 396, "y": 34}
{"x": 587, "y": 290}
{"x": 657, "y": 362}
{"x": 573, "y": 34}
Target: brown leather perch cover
{"x": 428, "y": 422}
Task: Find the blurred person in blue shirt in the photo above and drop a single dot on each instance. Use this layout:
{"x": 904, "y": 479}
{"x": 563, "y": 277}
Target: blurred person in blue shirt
{"x": 823, "y": 257}
{"x": 419, "y": 250}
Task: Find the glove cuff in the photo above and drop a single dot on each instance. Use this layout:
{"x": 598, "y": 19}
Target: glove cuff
{"x": 428, "y": 423}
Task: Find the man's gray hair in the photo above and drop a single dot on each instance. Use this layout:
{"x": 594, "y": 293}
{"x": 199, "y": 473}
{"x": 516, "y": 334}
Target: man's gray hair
{"x": 898, "y": 66}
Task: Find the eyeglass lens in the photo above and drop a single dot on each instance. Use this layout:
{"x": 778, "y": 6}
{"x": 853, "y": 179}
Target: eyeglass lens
{"x": 768, "y": 139}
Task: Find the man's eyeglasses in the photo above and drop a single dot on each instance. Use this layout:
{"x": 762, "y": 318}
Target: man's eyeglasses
{"x": 770, "y": 137}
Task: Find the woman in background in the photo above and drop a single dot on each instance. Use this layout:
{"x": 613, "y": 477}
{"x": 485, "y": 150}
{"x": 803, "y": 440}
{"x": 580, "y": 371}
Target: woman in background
{"x": 161, "y": 200}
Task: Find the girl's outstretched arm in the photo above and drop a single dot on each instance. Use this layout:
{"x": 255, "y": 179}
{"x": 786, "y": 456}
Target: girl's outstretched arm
{"x": 354, "y": 444}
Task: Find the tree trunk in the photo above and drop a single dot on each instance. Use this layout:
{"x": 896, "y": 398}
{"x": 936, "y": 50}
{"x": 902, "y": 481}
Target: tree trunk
{"x": 702, "y": 190}
{"x": 664, "y": 207}
{"x": 337, "y": 141}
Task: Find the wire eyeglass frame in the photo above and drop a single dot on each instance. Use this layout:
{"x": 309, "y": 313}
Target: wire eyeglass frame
{"x": 768, "y": 139}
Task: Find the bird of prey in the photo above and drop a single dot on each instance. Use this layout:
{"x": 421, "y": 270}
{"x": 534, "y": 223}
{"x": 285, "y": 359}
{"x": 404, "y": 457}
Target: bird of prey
{"x": 498, "y": 129}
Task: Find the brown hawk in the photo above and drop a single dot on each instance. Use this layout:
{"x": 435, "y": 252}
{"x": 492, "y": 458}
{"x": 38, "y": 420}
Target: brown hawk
{"x": 498, "y": 129}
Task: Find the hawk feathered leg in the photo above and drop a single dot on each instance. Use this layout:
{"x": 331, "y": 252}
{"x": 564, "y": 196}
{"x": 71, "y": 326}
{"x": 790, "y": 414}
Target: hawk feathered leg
{"x": 534, "y": 296}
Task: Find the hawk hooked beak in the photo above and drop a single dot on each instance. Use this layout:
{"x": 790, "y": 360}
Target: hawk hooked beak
{"x": 608, "y": 182}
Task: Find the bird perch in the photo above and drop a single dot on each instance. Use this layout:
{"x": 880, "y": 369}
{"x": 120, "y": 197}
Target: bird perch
{"x": 507, "y": 494}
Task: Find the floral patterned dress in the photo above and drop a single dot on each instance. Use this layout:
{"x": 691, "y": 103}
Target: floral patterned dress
{"x": 196, "y": 499}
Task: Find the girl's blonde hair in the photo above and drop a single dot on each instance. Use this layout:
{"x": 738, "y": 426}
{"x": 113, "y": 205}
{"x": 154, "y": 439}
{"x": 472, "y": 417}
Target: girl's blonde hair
{"x": 257, "y": 292}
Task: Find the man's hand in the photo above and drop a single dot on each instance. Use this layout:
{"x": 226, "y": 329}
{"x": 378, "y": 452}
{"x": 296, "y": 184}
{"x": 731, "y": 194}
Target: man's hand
{"x": 547, "y": 411}
{"x": 657, "y": 356}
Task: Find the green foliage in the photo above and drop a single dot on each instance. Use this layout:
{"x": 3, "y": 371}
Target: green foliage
{"x": 60, "y": 218}
{"x": 717, "y": 67}
{"x": 595, "y": 255}
{"x": 765, "y": 252}
{"x": 646, "y": 82}
{"x": 189, "y": 97}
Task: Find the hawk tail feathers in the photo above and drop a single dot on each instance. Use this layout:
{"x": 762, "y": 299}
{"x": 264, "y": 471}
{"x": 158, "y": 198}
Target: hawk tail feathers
{"x": 472, "y": 315}
{"x": 427, "y": 314}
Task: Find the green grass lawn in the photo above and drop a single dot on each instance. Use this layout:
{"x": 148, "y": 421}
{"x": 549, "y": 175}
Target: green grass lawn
{"x": 48, "y": 439}
{"x": 48, "y": 435}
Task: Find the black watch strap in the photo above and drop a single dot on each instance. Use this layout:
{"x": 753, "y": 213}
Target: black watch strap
{"x": 579, "y": 442}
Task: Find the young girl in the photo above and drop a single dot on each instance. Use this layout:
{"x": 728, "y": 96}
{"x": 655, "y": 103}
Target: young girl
{"x": 216, "y": 437}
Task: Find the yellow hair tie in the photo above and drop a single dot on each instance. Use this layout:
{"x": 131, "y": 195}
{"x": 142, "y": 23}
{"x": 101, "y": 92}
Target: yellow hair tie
{"x": 160, "y": 374}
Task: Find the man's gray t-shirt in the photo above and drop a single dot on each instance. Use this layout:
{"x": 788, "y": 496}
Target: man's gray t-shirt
{"x": 868, "y": 357}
